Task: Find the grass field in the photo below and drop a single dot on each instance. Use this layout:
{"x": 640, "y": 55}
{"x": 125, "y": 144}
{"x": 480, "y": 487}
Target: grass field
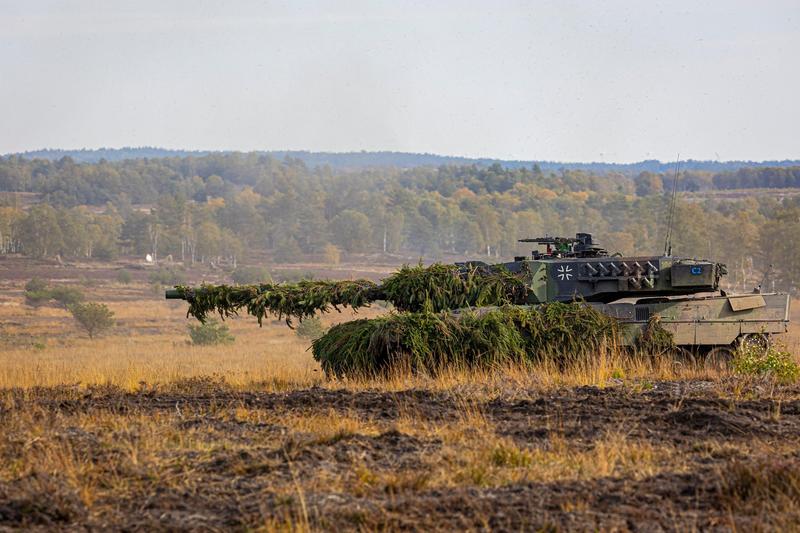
{"x": 141, "y": 430}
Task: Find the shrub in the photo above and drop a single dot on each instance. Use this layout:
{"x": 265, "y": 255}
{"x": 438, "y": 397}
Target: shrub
{"x": 89, "y": 282}
{"x": 36, "y": 292}
{"x": 37, "y": 298}
{"x": 124, "y": 277}
{"x": 775, "y": 362}
{"x": 94, "y": 318}
{"x": 66, "y": 296}
{"x": 209, "y": 333}
{"x": 36, "y": 285}
{"x": 246, "y": 275}
{"x": 311, "y": 328}
{"x": 167, "y": 276}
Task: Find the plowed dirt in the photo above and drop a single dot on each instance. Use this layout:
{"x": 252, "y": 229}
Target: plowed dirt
{"x": 201, "y": 456}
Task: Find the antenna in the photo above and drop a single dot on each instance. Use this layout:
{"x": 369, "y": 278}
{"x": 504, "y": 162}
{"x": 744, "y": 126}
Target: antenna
{"x": 668, "y": 240}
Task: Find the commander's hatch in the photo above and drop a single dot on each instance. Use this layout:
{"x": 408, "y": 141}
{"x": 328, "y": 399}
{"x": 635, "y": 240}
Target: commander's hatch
{"x": 744, "y": 303}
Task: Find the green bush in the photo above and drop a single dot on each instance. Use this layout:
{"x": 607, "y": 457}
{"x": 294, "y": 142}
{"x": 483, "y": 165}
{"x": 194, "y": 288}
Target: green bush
{"x": 36, "y": 285}
{"x": 311, "y": 328}
{"x": 124, "y": 277}
{"x": 66, "y": 296}
{"x": 37, "y": 298}
{"x": 167, "y": 276}
{"x": 209, "y": 333}
{"x": 247, "y": 275}
{"x": 94, "y": 318}
{"x": 36, "y": 292}
{"x": 775, "y": 362}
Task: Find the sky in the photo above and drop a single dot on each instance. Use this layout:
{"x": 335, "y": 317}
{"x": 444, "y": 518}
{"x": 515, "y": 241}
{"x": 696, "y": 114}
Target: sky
{"x": 612, "y": 81}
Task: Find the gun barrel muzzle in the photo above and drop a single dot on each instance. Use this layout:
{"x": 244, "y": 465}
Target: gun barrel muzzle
{"x": 173, "y": 294}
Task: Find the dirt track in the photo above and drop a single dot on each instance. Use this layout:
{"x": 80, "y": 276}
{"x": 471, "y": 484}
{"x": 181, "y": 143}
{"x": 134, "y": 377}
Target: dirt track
{"x": 259, "y": 467}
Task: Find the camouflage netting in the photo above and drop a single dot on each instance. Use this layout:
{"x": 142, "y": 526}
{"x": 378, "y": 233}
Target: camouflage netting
{"x": 413, "y": 288}
{"x": 423, "y": 334}
{"x": 654, "y": 338}
{"x": 442, "y": 287}
{"x": 298, "y": 300}
{"x": 430, "y": 342}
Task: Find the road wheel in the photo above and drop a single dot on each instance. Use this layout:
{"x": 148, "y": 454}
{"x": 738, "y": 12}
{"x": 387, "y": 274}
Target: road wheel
{"x": 719, "y": 359}
{"x": 757, "y": 342}
{"x": 686, "y": 356}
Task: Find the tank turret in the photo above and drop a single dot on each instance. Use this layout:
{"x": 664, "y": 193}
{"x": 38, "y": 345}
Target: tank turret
{"x": 579, "y": 268}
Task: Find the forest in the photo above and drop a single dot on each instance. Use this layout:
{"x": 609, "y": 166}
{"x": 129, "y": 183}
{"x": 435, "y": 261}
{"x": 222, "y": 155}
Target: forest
{"x": 364, "y": 159}
{"x": 229, "y": 208}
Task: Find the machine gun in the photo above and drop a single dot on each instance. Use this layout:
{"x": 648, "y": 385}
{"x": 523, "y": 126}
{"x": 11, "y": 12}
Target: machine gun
{"x": 581, "y": 245}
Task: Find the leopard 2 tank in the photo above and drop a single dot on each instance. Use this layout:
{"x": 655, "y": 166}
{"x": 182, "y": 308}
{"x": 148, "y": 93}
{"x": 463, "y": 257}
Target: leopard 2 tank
{"x": 683, "y": 294}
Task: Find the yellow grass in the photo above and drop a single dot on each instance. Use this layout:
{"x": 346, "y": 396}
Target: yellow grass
{"x": 44, "y": 347}
{"x": 128, "y": 362}
{"x": 104, "y": 455}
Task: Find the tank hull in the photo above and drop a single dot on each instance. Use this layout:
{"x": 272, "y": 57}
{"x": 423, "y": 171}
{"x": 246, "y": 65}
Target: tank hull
{"x": 703, "y": 320}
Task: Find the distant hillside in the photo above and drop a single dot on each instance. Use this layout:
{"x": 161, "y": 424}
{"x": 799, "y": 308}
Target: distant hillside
{"x": 360, "y": 160}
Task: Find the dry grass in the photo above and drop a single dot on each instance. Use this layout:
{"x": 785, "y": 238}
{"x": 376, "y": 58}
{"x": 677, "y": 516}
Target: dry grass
{"x": 51, "y": 351}
{"x": 43, "y": 347}
{"x": 276, "y": 357}
{"x": 474, "y": 453}
{"x": 282, "y": 466}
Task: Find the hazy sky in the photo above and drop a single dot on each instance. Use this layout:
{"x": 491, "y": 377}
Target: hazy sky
{"x": 568, "y": 81}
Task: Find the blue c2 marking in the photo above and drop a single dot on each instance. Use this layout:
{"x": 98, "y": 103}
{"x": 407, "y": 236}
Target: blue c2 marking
{"x": 696, "y": 271}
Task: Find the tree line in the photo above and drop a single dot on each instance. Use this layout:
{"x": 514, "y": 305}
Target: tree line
{"x": 374, "y": 159}
{"x": 228, "y": 207}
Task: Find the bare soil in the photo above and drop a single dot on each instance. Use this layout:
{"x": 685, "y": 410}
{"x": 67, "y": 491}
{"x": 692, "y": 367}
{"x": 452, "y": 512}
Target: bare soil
{"x": 256, "y": 472}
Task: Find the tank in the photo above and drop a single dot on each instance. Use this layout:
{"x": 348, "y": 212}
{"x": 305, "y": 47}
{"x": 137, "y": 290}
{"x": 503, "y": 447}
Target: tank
{"x": 683, "y": 293}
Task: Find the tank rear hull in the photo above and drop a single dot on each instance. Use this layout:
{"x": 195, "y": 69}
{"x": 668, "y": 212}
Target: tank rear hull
{"x": 715, "y": 320}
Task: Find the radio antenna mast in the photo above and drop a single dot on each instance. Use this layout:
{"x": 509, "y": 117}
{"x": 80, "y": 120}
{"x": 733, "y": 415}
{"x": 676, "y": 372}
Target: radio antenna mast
{"x": 671, "y": 220}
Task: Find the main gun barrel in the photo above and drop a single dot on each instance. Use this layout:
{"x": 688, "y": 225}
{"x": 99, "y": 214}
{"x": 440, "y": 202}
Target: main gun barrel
{"x": 175, "y": 294}
{"x": 413, "y": 289}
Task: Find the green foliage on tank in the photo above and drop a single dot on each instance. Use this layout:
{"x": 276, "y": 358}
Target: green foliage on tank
{"x": 432, "y": 342}
{"x": 413, "y": 288}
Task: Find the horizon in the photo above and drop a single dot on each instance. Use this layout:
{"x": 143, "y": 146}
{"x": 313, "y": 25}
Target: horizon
{"x": 396, "y": 152}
